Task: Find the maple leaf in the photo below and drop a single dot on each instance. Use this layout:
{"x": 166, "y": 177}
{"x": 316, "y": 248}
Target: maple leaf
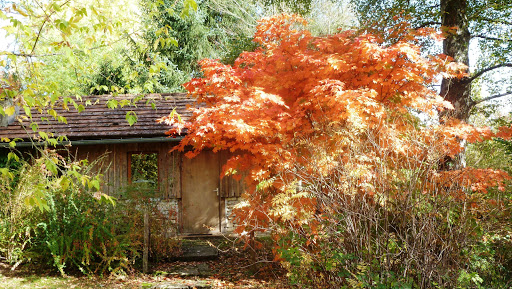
{"x": 341, "y": 107}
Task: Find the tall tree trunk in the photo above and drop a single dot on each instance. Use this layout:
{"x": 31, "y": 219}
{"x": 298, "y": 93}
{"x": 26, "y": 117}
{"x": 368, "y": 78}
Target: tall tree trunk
{"x": 457, "y": 91}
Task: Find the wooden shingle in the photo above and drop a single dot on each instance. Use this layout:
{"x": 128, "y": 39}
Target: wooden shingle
{"x": 98, "y": 121}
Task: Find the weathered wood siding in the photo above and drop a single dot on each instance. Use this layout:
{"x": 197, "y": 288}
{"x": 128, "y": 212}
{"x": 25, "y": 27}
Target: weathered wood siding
{"x": 186, "y": 183}
{"x": 229, "y": 186}
{"x": 112, "y": 161}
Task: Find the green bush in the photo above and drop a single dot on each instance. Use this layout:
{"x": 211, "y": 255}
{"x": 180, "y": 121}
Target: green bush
{"x": 52, "y": 212}
{"x": 17, "y": 219}
{"x": 80, "y": 232}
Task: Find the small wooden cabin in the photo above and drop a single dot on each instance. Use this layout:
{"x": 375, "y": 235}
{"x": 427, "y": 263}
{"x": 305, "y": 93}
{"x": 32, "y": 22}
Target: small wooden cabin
{"x": 190, "y": 190}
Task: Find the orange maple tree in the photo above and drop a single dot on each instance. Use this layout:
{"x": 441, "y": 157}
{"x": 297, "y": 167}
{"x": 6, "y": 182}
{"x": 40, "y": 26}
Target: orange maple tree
{"x": 302, "y": 107}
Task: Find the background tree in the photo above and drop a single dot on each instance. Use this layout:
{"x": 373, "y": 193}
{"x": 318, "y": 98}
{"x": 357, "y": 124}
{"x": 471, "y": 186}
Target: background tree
{"x": 218, "y": 29}
{"x": 477, "y": 34}
{"x": 171, "y": 45}
{"x": 138, "y": 46}
{"x": 54, "y": 45}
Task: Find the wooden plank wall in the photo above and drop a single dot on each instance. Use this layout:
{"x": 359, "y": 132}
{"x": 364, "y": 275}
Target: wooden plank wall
{"x": 112, "y": 161}
{"x": 229, "y": 186}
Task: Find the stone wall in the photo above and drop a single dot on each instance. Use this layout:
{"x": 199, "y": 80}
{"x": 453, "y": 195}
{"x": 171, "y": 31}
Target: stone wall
{"x": 228, "y": 222}
{"x": 169, "y": 208}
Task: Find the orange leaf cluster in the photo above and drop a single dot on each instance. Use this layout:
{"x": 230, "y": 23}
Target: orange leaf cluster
{"x": 315, "y": 104}
{"x": 472, "y": 179}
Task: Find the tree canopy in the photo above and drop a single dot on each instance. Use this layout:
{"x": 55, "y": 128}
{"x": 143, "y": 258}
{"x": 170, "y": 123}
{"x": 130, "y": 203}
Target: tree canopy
{"x": 299, "y": 96}
{"x": 320, "y": 123}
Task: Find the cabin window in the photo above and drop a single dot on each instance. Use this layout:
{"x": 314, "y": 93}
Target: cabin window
{"x": 143, "y": 170}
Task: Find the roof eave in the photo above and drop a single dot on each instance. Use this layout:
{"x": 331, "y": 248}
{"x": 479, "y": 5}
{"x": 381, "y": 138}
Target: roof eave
{"x": 97, "y": 141}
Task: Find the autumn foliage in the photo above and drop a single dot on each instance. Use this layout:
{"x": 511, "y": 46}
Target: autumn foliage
{"x": 318, "y": 125}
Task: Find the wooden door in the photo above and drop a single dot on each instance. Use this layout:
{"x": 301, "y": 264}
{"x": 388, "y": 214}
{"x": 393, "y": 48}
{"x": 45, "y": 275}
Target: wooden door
{"x": 200, "y": 194}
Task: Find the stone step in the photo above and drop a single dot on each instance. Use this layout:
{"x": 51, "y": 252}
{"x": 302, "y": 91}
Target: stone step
{"x": 188, "y": 270}
{"x": 197, "y": 252}
{"x": 182, "y": 284}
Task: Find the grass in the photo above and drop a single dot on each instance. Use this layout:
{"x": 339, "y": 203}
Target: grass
{"x": 31, "y": 276}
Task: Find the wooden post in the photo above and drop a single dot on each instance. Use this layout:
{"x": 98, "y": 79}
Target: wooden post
{"x": 146, "y": 241}
{"x": 252, "y": 244}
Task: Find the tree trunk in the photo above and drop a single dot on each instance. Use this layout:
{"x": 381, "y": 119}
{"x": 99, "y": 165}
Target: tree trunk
{"x": 457, "y": 91}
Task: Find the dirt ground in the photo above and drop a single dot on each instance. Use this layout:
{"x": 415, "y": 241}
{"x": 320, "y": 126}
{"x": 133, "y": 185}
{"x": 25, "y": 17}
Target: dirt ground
{"x": 233, "y": 268}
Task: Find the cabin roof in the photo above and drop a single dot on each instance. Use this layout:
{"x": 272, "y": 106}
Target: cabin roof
{"x": 97, "y": 121}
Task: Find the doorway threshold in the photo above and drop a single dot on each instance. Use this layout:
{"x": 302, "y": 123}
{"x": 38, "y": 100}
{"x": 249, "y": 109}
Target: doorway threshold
{"x": 199, "y": 236}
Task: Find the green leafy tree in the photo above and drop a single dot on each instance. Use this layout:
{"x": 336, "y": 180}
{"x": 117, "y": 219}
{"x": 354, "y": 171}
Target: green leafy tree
{"x": 165, "y": 52}
{"x": 61, "y": 47}
{"x": 54, "y": 45}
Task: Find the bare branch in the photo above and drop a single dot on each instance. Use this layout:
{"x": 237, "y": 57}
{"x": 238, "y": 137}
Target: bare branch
{"x": 30, "y": 54}
{"x": 38, "y": 35}
{"x": 423, "y": 25}
{"x": 491, "y": 38}
{"x": 44, "y": 23}
{"x": 497, "y": 21}
{"x": 493, "y": 97}
{"x": 479, "y": 73}
{"x": 126, "y": 36}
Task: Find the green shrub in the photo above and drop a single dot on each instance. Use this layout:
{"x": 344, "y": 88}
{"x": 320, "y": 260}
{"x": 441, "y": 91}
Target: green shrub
{"x": 79, "y": 232}
{"x": 17, "y": 219}
{"x": 52, "y": 211}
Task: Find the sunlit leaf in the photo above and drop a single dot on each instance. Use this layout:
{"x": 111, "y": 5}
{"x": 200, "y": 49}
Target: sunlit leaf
{"x": 131, "y": 118}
